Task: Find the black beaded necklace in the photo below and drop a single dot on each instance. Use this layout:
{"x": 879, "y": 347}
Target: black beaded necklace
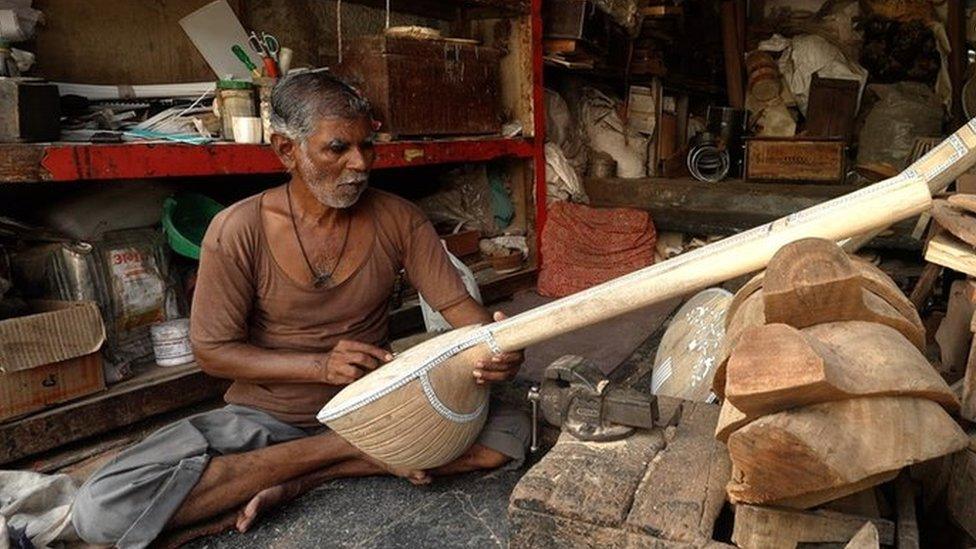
{"x": 318, "y": 279}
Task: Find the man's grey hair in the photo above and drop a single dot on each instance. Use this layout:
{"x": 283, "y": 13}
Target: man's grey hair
{"x": 299, "y": 101}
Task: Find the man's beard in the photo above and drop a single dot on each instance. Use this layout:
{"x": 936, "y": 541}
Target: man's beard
{"x": 341, "y": 195}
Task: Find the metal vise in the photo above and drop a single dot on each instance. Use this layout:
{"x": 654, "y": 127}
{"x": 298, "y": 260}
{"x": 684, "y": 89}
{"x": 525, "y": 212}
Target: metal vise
{"x": 576, "y": 396}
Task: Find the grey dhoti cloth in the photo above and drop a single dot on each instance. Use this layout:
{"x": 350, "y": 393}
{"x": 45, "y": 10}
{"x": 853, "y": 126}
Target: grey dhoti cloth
{"x": 129, "y": 501}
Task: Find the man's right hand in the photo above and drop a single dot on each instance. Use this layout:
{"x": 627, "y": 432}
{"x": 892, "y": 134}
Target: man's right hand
{"x": 351, "y": 360}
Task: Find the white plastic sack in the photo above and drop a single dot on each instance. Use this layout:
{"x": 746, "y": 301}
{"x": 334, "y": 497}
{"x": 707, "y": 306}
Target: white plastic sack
{"x": 608, "y": 134}
{"x": 433, "y": 320}
{"x": 809, "y": 54}
{"x": 39, "y": 504}
{"x": 562, "y": 129}
{"x": 562, "y": 181}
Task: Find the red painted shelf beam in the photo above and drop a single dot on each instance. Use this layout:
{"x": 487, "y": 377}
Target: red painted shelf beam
{"x": 77, "y": 162}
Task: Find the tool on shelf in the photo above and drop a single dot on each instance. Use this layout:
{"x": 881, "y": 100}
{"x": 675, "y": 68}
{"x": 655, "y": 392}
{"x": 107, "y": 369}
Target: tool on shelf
{"x": 242, "y": 55}
{"x": 267, "y": 46}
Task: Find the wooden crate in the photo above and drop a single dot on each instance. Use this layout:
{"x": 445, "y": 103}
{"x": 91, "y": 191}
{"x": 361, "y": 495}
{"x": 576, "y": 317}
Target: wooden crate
{"x": 796, "y": 160}
{"x": 426, "y": 87}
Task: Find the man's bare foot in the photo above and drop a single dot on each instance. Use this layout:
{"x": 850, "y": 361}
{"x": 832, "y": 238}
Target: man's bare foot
{"x": 417, "y": 478}
{"x": 263, "y": 501}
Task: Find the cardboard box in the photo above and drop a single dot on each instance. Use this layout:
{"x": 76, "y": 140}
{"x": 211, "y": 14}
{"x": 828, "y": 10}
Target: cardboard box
{"x": 50, "y": 356}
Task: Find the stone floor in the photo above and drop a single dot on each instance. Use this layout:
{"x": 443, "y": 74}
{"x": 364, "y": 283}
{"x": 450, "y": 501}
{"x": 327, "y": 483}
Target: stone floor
{"x": 464, "y": 511}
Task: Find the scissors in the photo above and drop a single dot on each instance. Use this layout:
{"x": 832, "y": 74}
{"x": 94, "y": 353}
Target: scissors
{"x": 265, "y": 44}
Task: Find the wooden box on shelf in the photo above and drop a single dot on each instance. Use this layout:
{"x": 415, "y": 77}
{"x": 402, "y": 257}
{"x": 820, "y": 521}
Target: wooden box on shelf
{"x": 795, "y": 160}
{"x": 427, "y": 87}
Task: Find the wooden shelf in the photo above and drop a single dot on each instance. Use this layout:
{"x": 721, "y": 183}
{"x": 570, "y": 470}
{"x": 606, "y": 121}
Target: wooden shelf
{"x": 36, "y": 162}
{"x": 448, "y": 9}
{"x": 153, "y": 390}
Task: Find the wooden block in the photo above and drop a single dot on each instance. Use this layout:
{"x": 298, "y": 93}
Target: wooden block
{"x": 810, "y": 455}
{"x": 954, "y": 334}
{"x": 750, "y": 313}
{"x": 588, "y": 481}
{"x": 865, "y": 538}
{"x": 813, "y": 281}
{"x": 961, "y": 500}
{"x": 863, "y": 503}
{"x": 872, "y": 278}
{"x": 776, "y": 367}
{"x": 925, "y": 284}
{"x": 963, "y": 201}
{"x": 966, "y": 183}
{"x": 954, "y": 220}
{"x": 946, "y": 250}
{"x": 968, "y": 407}
{"x": 795, "y": 159}
{"x": 730, "y": 419}
{"x": 683, "y": 491}
{"x": 765, "y": 527}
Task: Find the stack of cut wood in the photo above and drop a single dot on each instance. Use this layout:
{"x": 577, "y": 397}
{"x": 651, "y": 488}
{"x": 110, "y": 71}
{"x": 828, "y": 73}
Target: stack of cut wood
{"x": 954, "y": 243}
{"x": 826, "y": 389}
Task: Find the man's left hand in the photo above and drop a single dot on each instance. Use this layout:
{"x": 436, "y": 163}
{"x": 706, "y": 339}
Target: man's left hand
{"x": 500, "y": 367}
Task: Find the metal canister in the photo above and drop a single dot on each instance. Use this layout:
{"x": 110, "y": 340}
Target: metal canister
{"x": 171, "y": 342}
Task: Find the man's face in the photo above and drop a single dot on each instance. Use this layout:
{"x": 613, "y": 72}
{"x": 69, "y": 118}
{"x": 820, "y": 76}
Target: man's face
{"x": 335, "y": 160}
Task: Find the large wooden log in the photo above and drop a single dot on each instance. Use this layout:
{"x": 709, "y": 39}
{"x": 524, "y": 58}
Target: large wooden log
{"x": 806, "y": 456}
{"x": 776, "y": 367}
{"x": 419, "y": 410}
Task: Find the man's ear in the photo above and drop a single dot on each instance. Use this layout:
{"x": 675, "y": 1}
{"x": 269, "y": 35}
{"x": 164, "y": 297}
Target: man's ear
{"x": 285, "y": 148}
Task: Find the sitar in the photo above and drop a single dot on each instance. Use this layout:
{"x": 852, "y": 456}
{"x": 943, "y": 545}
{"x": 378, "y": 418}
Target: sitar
{"x": 424, "y": 409}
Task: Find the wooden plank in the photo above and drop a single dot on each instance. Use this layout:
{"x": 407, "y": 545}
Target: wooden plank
{"x": 817, "y": 453}
{"x": 958, "y": 223}
{"x": 968, "y": 408}
{"x": 948, "y": 251}
{"x": 963, "y": 200}
{"x": 865, "y": 538}
{"x": 690, "y": 206}
{"x": 954, "y": 333}
{"x": 588, "y": 481}
{"x": 159, "y": 390}
{"x": 907, "y": 521}
{"x": 776, "y": 367}
{"x": 961, "y": 500}
{"x": 730, "y": 419}
{"x": 925, "y": 284}
{"x": 683, "y": 491}
{"x": 863, "y": 503}
{"x": 764, "y": 527}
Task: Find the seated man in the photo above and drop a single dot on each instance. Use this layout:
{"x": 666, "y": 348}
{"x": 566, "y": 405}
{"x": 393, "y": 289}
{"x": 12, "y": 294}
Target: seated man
{"x": 292, "y": 301}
